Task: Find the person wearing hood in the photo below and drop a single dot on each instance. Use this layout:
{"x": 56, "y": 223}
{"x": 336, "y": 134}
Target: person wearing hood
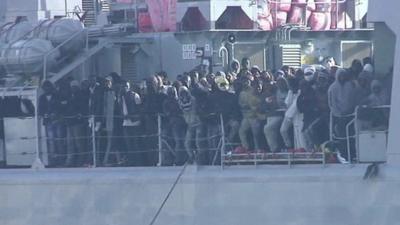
{"x": 341, "y": 100}
{"x": 194, "y": 132}
{"x": 173, "y": 129}
{"x": 341, "y": 94}
{"x": 255, "y": 71}
{"x": 77, "y": 112}
{"x": 356, "y": 68}
{"x": 279, "y": 73}
{"x": 362, "y": 86}
{"x": 377, "y": 97}
{"x": 49, "y": 108}
{"x": 370, "y": 116}
{"x": 235, "y": 67}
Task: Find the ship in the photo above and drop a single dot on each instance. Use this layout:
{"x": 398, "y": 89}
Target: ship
{"x": 136, "y": 38}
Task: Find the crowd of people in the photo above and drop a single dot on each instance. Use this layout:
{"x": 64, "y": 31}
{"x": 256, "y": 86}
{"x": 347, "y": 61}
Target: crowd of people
{"x": 259, "y": 111}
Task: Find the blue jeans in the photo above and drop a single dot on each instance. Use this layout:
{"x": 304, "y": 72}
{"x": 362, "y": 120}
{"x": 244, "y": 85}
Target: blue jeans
{"x": 272, "y": 132}
{"x": 195, "y": 134}
{"x": 253, "y": 125}
{"x": 56, "y": 143}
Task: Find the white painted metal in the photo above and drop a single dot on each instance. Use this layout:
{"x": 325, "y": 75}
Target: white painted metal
{"x": 388, "y": 13}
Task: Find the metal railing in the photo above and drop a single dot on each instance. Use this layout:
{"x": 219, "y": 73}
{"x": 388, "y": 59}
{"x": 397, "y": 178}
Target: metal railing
{"x": 352, "y": 130}
{"x": 98, "y": 146}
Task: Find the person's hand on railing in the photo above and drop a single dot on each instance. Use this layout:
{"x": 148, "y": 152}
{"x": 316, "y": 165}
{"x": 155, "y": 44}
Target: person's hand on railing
{"x": 97, "y": 126}
{"x": 91, "y": 121}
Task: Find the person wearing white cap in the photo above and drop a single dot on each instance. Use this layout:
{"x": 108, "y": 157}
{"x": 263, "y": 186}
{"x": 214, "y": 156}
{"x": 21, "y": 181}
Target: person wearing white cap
{"x": 368, "y": 68}
{"x": 309, "y": 73}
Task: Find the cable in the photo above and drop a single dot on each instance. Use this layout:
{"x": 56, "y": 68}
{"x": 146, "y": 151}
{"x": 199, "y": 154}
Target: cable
{"x": 169, "y": 194}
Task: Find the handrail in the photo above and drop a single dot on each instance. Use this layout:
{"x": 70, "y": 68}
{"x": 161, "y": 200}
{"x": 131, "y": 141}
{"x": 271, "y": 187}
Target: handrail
{"x": 348, "y": 139}
{"x": 84, "y": 31}
{"x": 3, "y": 26}
{"x": 28, "y": 33}
{"x": 357, "y": 130}
{"x": 223, "y": 54}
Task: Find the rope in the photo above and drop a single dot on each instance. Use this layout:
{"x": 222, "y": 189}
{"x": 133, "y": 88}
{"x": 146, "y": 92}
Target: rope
{"x": 168, "y": 195}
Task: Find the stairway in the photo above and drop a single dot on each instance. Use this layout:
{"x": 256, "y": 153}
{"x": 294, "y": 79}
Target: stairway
{"x": 128, "y": 65}
{"x": 105, "y": 6}
{"x": 77, "y": 61}
{"x": 90, "y": 7}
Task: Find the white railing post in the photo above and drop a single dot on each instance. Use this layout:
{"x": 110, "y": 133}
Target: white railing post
{"x": 37, "y": 164}
{"x": 94, "y": 152}
{"x": 222, "y": 141}
{"x": 348, "y": 140}
{"x": 331, "y": 126}
{"x": 45, "y": 67}
{"x": 159, "y": 141}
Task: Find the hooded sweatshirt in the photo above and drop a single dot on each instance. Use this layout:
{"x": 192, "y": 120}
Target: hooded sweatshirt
{"x": 341, "y": 97}
{"x": 377, "y": 99}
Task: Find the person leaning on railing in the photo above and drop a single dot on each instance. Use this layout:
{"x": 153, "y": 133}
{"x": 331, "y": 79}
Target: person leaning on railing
{"x": 49, "y": 110}
{"x": 77, "y": 112}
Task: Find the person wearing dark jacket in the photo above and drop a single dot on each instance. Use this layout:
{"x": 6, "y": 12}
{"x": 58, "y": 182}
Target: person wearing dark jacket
{"x": 227, "y": 105}
{"x": 63, "y": 93}
{"x": 49, "y": 108}
{"x": 307, "y": 103}
{"x": 174, "y": 129}
{"x": 77, "y": 112}
{"x": 96, "y": 100}
{"x": 152, "y": 107}
{"x": 132, "y": 125}
{"x": 95, "y": 94}
{"x": 275, "y": 109}
{"x": 320, "y": 128}
{"x": 112, "y": 120}
{"x": 205, "y": 111}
